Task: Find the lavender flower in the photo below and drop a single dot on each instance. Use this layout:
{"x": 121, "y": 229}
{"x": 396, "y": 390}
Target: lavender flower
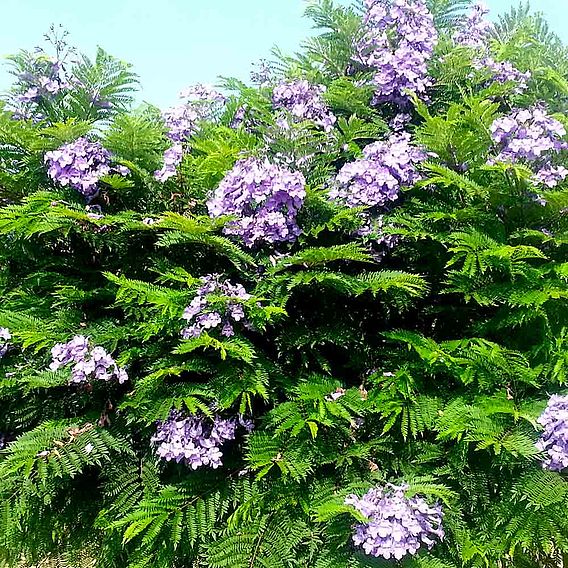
{"x": 80, "y": 164}
{"x": 503, "y": 72}
{"x": 5, "y": 337}
{"x": 122, "y": 170}
{"x": 239, "y": 116}
{"x": 474, "y": 28}
{"x": 532, "y": 137}
{"x": 551, "y": 176}
{"x": 202, "y": 103}
{"x": 263, "y": 73}
{"x": 399, "y": 121}
{"x": 71, "y": 352}
{"x": 554, "y": 439}
{"x": 172, "y": 159}
{"x": 398, "y": 41}
{"x": 304, "y": 102}
{"x": 397, "y": 525}
{"x": 88, "y": 363}
{"x": 182, "y": 122}
{"x": 377, "y": 179}
{"x": 264, "y": 198}
{"x": 195, "y": 441}
{"x": 203, "y": 93}
{"x": 32, "y": 94}
{"x": 246, "y": 423}
{"x": 203, "y": 313}
{"x": 45, "y": 79}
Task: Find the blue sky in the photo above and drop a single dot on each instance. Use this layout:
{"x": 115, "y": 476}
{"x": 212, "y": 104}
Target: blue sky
{"x": 174, "y": 43}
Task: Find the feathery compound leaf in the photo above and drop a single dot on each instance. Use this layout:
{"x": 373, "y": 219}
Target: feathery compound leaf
{"x": 317, "y": 322}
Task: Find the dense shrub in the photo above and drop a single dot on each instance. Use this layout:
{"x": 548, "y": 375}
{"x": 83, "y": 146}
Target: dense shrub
{"x": 313, "y": 323}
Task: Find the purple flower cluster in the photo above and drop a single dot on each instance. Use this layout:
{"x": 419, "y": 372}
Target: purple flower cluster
{"x": 196, "y": 440}
{"x": 5, "y": 337}
{"x": 263, "y": 73}
{"x": 200, "y": 93}
{"x": 205, "y": 314}
{"x": 398, "y": 41}
{"x": 264, "y": 198}
{"x": 397, "y": 525}
{"x": 239, "y": 117}
{"x": 202, "y": 102}
{"x": 554, "y": 439}
{"x": 303, "y": 101}
{"x": 533, "y": 137}
{"x": 399, "y": 121}
{"x": 551, "y": 176}
{"x": 503, "y": 72}
{"x": 377, "y": 179}
{"x": 44, "y": 81}
{"x": 181, "y": 122}
{"x": 88, "y": 363}
{"x": 474, "y": 28}
{"x": 80, "y": 164}
{"x": 171, "y": 160}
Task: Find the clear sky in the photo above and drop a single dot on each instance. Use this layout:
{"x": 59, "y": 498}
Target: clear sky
{"x": 174, "y": 43}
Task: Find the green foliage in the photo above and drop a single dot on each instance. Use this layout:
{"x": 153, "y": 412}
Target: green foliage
{"x": 426, "y": 363}
{"x": 448, "y": 12}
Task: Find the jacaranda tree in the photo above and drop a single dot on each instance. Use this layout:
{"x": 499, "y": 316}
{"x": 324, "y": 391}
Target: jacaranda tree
{"x": 315, "y": 321}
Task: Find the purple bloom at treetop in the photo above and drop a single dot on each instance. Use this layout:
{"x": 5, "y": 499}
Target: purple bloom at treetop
{"x": 474, "y": 28}
{"x": 183, "y": 121}
{"x": 398, "y": 41}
